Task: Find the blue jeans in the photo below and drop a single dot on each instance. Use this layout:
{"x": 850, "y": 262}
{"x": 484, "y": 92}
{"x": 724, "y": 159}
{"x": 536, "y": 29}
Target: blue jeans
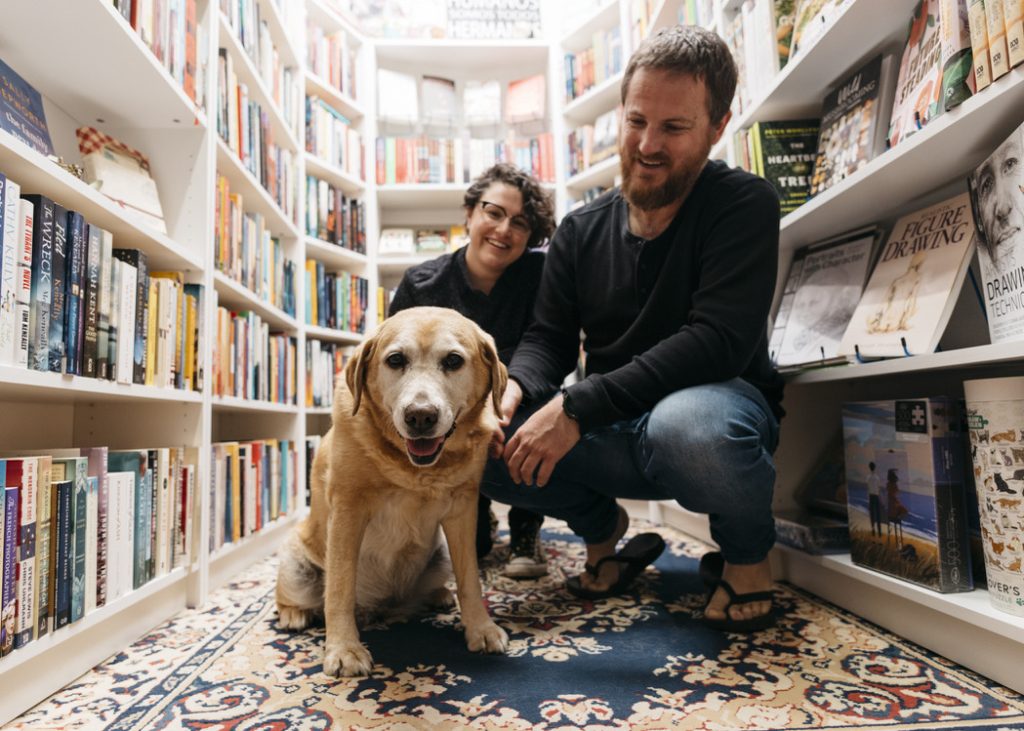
{"x": 707, "y": 447}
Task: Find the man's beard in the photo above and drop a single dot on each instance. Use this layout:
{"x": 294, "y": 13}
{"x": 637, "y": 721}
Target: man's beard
{"x": 648, "y": 197}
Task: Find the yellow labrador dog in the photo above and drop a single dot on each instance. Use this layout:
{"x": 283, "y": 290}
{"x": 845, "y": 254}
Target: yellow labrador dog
{"x": 404, "y": 458}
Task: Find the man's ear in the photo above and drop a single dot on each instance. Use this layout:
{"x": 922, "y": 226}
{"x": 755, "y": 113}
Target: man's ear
{"x": 356, "y": 370}
{"x": 719, "y": 129}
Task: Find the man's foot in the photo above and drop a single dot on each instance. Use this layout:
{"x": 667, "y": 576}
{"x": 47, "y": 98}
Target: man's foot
{"x": 608, "y": 573}
{"x": 744, "y": 579}
{"x": 526, "y": 558}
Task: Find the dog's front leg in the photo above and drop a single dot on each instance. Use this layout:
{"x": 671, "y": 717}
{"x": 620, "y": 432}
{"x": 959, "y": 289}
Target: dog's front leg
{"x": 482, "y": 634}
{"x": 344, "y": 654}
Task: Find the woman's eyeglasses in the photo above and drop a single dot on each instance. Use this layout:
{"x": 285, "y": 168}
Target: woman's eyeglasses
{"x": 496, "y": 214}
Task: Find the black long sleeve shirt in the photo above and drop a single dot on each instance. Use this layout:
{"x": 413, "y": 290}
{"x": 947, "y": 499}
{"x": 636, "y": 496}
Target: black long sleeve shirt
{"x": 686, "y": 308}
{"x": 505, "y": 313}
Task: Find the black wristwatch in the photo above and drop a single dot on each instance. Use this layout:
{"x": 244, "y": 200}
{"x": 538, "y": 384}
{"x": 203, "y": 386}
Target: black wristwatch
{"x": 567, "y": 405}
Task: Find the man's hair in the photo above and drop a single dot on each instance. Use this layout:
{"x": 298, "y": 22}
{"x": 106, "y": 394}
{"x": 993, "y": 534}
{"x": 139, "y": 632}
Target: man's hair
{"x": 691, "y": 50}
{"x": 537, "y": 207}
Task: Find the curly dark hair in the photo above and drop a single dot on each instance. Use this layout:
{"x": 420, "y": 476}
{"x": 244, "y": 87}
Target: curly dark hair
{"x": 692, "y": 50}
{"x": 538, "y": 209}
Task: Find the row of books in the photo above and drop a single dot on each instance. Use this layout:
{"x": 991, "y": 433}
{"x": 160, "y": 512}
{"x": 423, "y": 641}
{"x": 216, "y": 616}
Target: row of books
{"x": 246, "y": 129}
{"x": 426, "y": 159}
{"x": 588, "y": 68}
{"x": 72, "y": 303}
{"x": 399, "y": 97}
{"x": 245, "y": 251}
{"x": 82, "y": 527}
{"x": 332, "y": 138}
{"x": 170, "y": 31}
{"x": 252, "y": 484}
{"x": 696, "y": 12}
{"x": 250, "y": 362}
{"x": 285, "y": 83}
{"x": 394, "y": 241}
{"x": 336, "y": 300}
{"x": 333, "y": 58}
{"x": 334, "y": 217}
{"x": 324, "y": 365}
{"x": 590, "y": 144}
{"x": 827, "y": 315}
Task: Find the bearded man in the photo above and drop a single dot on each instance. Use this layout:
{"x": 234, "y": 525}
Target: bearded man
{"x": 670, "y": 279}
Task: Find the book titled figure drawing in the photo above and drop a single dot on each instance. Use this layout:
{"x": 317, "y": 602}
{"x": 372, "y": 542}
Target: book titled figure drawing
{"x": 854, "y": 122}
{"x": 997, "y": 197}
{"x": 830, "y": 277}
{"x": 905, "y": 491}
{"x": 915, "y": 283}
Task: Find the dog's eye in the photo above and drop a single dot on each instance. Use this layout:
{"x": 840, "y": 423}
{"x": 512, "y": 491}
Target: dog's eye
{"x": 452, "y": 362}
{"x": 396, "y": 361}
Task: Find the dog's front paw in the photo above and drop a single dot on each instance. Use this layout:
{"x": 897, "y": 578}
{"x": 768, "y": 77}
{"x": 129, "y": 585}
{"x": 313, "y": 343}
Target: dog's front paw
{"x": 347, "y": 659}
{"x": 293, "y": 618}
{"x": 487, "y": 637}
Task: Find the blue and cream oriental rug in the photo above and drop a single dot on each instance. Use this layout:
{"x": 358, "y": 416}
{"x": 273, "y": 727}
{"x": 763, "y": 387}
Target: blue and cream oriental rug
{"x": 641, "y": 661}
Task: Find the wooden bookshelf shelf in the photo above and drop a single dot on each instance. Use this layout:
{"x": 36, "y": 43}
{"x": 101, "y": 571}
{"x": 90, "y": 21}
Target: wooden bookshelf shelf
{"x": 245, "y": 69}
{"x": 422, "y": 195}
{"x": 396, "y": 265}
{"x": 235, "y": 296}
{"x": 339, "y": 336}
{"x": 349, "y": 107}
{"x": 225, "y": 404}
{"x": 255, "y": 197}
{"x": 31, "y": 386}
{"x": 37, "y": 174}
{"x": 347, "y": 182}
{"x": 591, "y": 104}
{"x": 946, "y": 149}
{"x": 101, "y": 89}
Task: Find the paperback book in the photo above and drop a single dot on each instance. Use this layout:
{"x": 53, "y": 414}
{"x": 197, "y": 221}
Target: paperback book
{"x": 915, "y": 284}
{"x": 918, "y": 97}
{"x": 905, "y": 491}
{"x": 784, "y": 154}
{"x": 21, "y": 111}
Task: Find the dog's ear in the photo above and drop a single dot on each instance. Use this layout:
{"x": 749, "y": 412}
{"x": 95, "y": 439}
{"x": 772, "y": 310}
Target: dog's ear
{"x": 356, "y": 370}
{"x": 499, "y": 374}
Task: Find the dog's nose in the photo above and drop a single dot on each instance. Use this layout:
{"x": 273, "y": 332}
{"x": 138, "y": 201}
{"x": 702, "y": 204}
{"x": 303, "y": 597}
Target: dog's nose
{"x": 421, "y": 419}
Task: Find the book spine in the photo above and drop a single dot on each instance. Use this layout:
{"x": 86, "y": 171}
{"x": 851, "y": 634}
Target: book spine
{"x": 105, "y": 296}
{"x": 90, "y": 332}
{"x": 91, "y": 542}
{"x": 26, "y": 573}
{"x": 57, "y": 353}
{"x": 139, "y": 530}
{"x": 8, "y": 600}
{"x": 76, "y": 253}
{"x": 138, "y": 260}
{"x": 79, "y": 516}
{"x": 42, "y": 283}
{"x": 63, "y": 569}
{"x": 1013, "y": 15}
{"x": 996, "y": 26}
{"x": 44, "y": 532}
{"x": 979, "y": 43}
{"x": 97, "y": 457}
{"x": 10, "y": 210}
{"x": 950, "y": 499}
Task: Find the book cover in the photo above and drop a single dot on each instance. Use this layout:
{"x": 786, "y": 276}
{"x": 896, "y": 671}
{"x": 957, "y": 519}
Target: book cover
{"x": 814, "y": 534}
{"x": 42, "y": 282}
{"x": 905, "y": 491}
{"x": 958, "y": 82}
{"x": 811, "y": 19}
{"x": 524, "y": 100}
{"x": 995, "y": 427}
{"x": 21, "y": 111}
{"x": 481, "y": 103}
{"x": 915, "y": 284}
{"x": 825, "y": 297}
{"x": 397, "y": 97}
{"x": 784, "y": 154}
{"x": 996, "y": 189}
{"x": 918, "y": 97}
{"x": 854, "y": 119}
{"x": 136, "y": 462}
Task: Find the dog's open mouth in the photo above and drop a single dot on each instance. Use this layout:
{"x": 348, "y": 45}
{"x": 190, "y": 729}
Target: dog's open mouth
{"x": 424, "y": 451}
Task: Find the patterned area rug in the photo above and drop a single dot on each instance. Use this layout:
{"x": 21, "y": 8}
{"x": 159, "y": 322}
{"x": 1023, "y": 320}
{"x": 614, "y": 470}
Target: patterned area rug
{"x": 641, "y": 661}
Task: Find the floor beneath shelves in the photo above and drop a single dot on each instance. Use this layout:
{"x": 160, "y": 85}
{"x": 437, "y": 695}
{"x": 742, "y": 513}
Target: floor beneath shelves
{"x": 639, "y": 660}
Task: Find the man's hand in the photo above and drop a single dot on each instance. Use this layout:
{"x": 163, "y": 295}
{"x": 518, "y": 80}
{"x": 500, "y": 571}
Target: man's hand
{"x": 540, "y": 443}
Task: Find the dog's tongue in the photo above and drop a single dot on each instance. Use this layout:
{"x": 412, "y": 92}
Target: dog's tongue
{"x": 423, "y": 447}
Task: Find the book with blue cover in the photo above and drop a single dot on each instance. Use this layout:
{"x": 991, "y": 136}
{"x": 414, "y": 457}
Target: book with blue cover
{"x": 21, "y": 111}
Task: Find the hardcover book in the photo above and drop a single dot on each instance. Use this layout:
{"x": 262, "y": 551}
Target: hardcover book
{"x": 784, "y": 154}
{"x": 854, "y": 122}
{"x": 915, "y": 283}
{"x": 830, "y": 278}
{"x": 10, "y": 207}
{"x": 918, "y": 97}
{"x": 21, "y": 111}
{"x": 997, "y": 200}
{"x": 905, "y": 491}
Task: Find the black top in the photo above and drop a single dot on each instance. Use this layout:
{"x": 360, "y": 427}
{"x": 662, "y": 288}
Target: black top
{"x": 505, "y": 313}
{"x": 686, "y": 308}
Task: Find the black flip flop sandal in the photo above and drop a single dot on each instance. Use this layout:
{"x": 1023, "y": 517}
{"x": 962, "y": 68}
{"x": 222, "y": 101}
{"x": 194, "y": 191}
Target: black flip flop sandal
{"x": 638, "y": 553}
{"x": 728, "y": 624}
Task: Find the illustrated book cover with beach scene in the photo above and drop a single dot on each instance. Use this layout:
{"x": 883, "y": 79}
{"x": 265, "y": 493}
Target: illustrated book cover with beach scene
{"x": 905, "y": 491}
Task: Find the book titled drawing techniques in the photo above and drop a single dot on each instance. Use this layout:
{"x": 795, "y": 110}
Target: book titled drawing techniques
{"x": 915, "y": 284}
{"x": 997, "y": 196}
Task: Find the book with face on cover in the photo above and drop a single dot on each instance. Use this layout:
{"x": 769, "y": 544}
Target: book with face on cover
{"x": 915, "y": 284}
